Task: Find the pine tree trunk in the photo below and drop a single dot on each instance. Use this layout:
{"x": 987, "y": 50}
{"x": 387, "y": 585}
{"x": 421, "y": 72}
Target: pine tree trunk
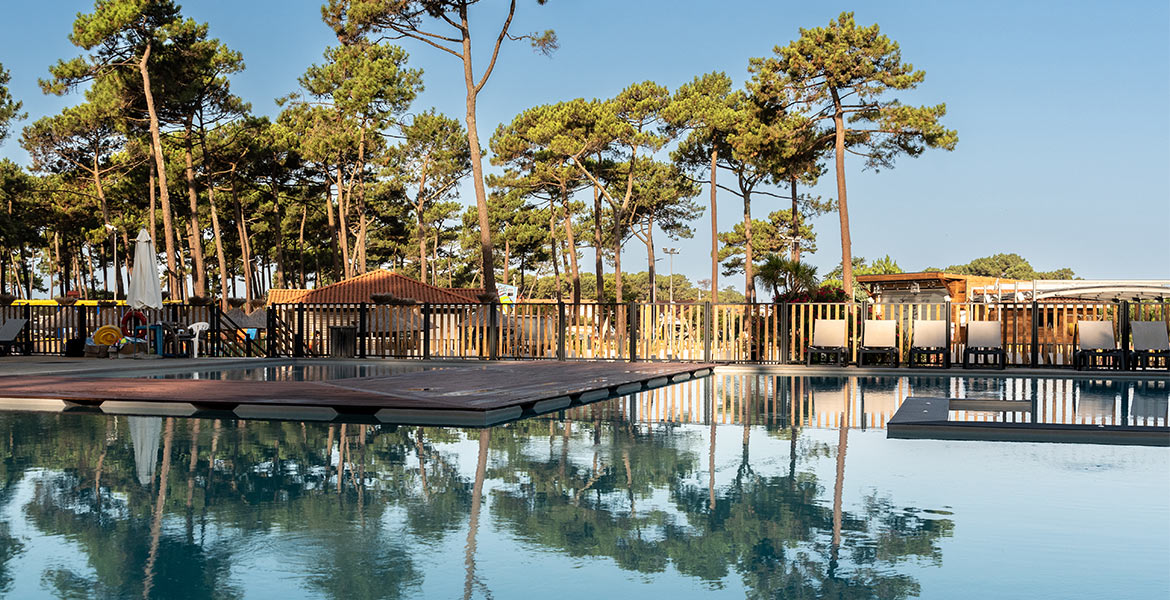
{"x": 842, "y": 206}
{"x": 301, "y": 245}
{"x": 331, "y": 220}
{"x": 220, "y": 256}
{"x": 714, "y": 232}
{"x": 617, "y": 253}
{"x": 507, "y": 259}
{"x": 552, "y": 245}
{"x": 749, "y": 284}
{"x": 487, "y": 254}
{"x": 650, "y": 262}
{"x": 278, "y": 230}
{"x": 195, "y": 242}
{"x": 422, "y": 249}
{"x": 161, "y": 171}
{"x": 342, "y": 226}
{"x": 125, "y": 261}
{"x": 597, "y": 242}
{"x": 101, "y": 194}
{"x": 153, "y": 210}
{"x": 572, "y": 243}
{"x": 245, "y": 245}
{"x": 795, "y": 252}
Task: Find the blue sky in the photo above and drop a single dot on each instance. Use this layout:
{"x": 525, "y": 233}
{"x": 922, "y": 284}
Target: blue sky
{"x": 1062, "y": 109}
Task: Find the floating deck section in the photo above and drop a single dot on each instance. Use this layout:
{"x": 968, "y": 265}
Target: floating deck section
{"x": 928, "y": 418}
{"x": 474, "y": 395}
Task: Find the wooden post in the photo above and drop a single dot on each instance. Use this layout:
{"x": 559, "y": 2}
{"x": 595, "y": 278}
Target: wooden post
{"x": 947, "y": 355}
{"x": 708, "y": 330}
{"x": 560, "y": 331}
{"x": 27, "y": 333}
{"x": 493, "y": 332}
{"x": 426, "y": 315}
{"x": 632, "y": 329}
{"x": 362, "y": 334}
{"x": 785, "y": 331}
{"x": 1035, "y": 358}
{"x": 82, "y": 324}
{"x": 1124, "y": 332}
{"x": 299, "y": 336}
{"x": 269, "y": 331}
{"x": 215, "y": 347}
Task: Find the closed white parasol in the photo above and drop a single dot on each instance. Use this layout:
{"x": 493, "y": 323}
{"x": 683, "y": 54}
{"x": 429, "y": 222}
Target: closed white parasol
{"x": 145, "y": 290}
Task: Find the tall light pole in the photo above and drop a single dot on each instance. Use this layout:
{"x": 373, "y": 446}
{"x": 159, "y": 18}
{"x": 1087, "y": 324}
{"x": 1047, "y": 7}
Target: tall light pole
{"x": 671, "y": 252}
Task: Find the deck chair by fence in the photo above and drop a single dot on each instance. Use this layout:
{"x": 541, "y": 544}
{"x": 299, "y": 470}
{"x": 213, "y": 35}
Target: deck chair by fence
{"x": 984, "y": 338}
{"x": 9, "y": 332}
{"x": 879, "y": 338}
{"x": 1150, "y": 343}
{"x": 929, "y": 344}
{"x": 1096, "y": 346}
{"x": 828, "y": 340}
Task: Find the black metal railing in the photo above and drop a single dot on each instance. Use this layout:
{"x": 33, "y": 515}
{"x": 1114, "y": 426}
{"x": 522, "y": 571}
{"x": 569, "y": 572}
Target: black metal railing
{"x": 1034, "y": 334}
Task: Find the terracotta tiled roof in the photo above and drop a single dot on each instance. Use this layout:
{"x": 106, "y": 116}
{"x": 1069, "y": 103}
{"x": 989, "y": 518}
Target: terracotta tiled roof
{"x": 276, "y": 296}
{"x": 361, "y": 288}
{"x": 472, "y": 294}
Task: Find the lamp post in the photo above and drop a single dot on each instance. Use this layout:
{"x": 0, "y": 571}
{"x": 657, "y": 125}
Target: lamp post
{"x": 671, "y": 252}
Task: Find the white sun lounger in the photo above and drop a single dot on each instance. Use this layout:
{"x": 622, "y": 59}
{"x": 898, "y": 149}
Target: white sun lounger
{"x": 930, "y": 341}
{"x": 984, "y": 338}
{"x": 9, "y": 332}
{"x": 828, "y": 340}
{"x": 1151, "y": 341}
{"x": 879, "y": 338}
{"x": 1095, "y": 344}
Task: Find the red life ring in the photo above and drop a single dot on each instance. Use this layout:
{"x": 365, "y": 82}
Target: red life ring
{"x": 137, "y": 316}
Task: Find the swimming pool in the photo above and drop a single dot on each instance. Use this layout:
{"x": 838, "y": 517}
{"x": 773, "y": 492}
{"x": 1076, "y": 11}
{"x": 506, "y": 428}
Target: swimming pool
{"x": 740, "y": 485}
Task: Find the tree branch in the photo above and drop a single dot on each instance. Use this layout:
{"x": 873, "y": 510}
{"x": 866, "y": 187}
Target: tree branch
{"x": 496, "y": 50}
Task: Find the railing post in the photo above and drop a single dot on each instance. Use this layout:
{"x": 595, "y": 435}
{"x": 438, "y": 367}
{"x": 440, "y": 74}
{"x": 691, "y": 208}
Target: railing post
{"x": 1035, "y": 358}
{"x": 216, "y": 343}
{"x": 784, "y": 332}
{"x": 1123, "y": 325}
{"x": 950, "y": 323}
{"x": 493, "y": 332}
{"x": 708, "y": 330}
{"x": 632, "y": 329}
{"x": 82, "y": 323}
{"x": 299, "y": 336}
{"x": 363, "y": 335}
{"x": 27, "y": 333}
{"x": 426, "y": 314}
{"x": 269, "y": 329}
{"x": 561, "y": 331}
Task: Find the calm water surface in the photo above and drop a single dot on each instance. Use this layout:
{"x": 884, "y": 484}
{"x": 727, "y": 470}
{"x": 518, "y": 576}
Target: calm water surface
{"x": 650, "y": 497}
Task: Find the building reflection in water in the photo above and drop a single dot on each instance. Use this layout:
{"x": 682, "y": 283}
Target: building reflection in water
{"x": 828, "y": 402}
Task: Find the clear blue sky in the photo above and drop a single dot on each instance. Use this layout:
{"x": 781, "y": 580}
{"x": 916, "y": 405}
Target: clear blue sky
{"x": 1062, "y": 109}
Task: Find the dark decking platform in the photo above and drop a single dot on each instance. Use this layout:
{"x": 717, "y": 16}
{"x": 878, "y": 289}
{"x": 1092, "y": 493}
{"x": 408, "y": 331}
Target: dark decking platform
{"x": 476, "y": 395}
{"x": 928, "y": 418}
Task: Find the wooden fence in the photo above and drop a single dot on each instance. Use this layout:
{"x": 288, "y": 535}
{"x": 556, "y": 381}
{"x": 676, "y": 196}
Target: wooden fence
{"x": 1037, "y": 334}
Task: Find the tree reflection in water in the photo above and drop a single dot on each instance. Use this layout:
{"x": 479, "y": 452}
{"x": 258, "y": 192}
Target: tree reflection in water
{"x": 179, "y": 507}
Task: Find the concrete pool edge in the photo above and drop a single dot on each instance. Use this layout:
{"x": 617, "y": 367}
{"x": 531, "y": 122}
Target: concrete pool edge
{"x": 927, "y": 418}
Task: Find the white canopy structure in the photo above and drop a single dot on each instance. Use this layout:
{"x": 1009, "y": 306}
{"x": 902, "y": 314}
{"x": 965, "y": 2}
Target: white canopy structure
{"x": 1095, "y": 290}
{"x": 145, "y": 290}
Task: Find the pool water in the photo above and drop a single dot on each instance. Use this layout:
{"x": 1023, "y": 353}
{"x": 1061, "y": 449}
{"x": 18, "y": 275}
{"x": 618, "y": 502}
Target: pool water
{"x": 755, "y": 486}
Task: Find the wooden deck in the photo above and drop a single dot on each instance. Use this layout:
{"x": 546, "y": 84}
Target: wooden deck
{"x": 477, "y": 395}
